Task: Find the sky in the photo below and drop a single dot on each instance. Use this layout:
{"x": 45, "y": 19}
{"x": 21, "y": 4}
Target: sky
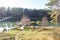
{"x": 31, "y": 4}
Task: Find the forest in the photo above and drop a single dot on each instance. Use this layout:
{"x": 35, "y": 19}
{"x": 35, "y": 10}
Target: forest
{"x": 17, "y": 13}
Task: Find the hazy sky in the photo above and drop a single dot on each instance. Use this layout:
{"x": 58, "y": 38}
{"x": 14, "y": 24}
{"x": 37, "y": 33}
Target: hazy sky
{"x": 37, "y": 4}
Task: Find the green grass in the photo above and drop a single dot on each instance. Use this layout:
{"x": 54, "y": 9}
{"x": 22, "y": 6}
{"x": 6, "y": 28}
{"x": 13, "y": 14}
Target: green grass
{"x": 13, "y": 32}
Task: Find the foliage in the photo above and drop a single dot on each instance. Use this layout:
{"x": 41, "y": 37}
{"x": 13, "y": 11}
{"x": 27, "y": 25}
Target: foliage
{"x": 38, "y": 22}
{"x": 54, "y": 16}
{"x": 52, "y": 2}
{"x": 54, "y": 7}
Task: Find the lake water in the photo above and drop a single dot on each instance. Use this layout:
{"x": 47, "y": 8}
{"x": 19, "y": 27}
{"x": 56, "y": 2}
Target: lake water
{"x": 7, "y": 28}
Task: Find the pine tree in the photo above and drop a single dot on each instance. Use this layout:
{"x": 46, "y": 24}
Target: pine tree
{"x": 54, "y": 16}
{"x": 54, "y": 6}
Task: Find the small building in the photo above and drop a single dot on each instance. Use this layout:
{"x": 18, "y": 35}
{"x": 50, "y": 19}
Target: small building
{"x": 44, "y": 21}
{"x": 25, "y": 20}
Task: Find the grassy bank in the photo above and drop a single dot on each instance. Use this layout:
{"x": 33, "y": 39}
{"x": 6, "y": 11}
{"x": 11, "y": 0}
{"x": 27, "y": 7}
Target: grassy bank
{"x": 33, "y": 34}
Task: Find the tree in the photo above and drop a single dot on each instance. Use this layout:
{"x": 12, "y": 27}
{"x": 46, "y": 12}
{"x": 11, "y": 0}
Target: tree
{"x": 2, "y": 12}
{"x": 8, "y": 12}
{"x": 54, "y": 16}
{"x": 54, "y": 6}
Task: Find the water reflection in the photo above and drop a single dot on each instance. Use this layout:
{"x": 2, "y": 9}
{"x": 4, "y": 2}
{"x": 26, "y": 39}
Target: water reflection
{"x": 6, "y": 28}
{"x": 1, "y": 29}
